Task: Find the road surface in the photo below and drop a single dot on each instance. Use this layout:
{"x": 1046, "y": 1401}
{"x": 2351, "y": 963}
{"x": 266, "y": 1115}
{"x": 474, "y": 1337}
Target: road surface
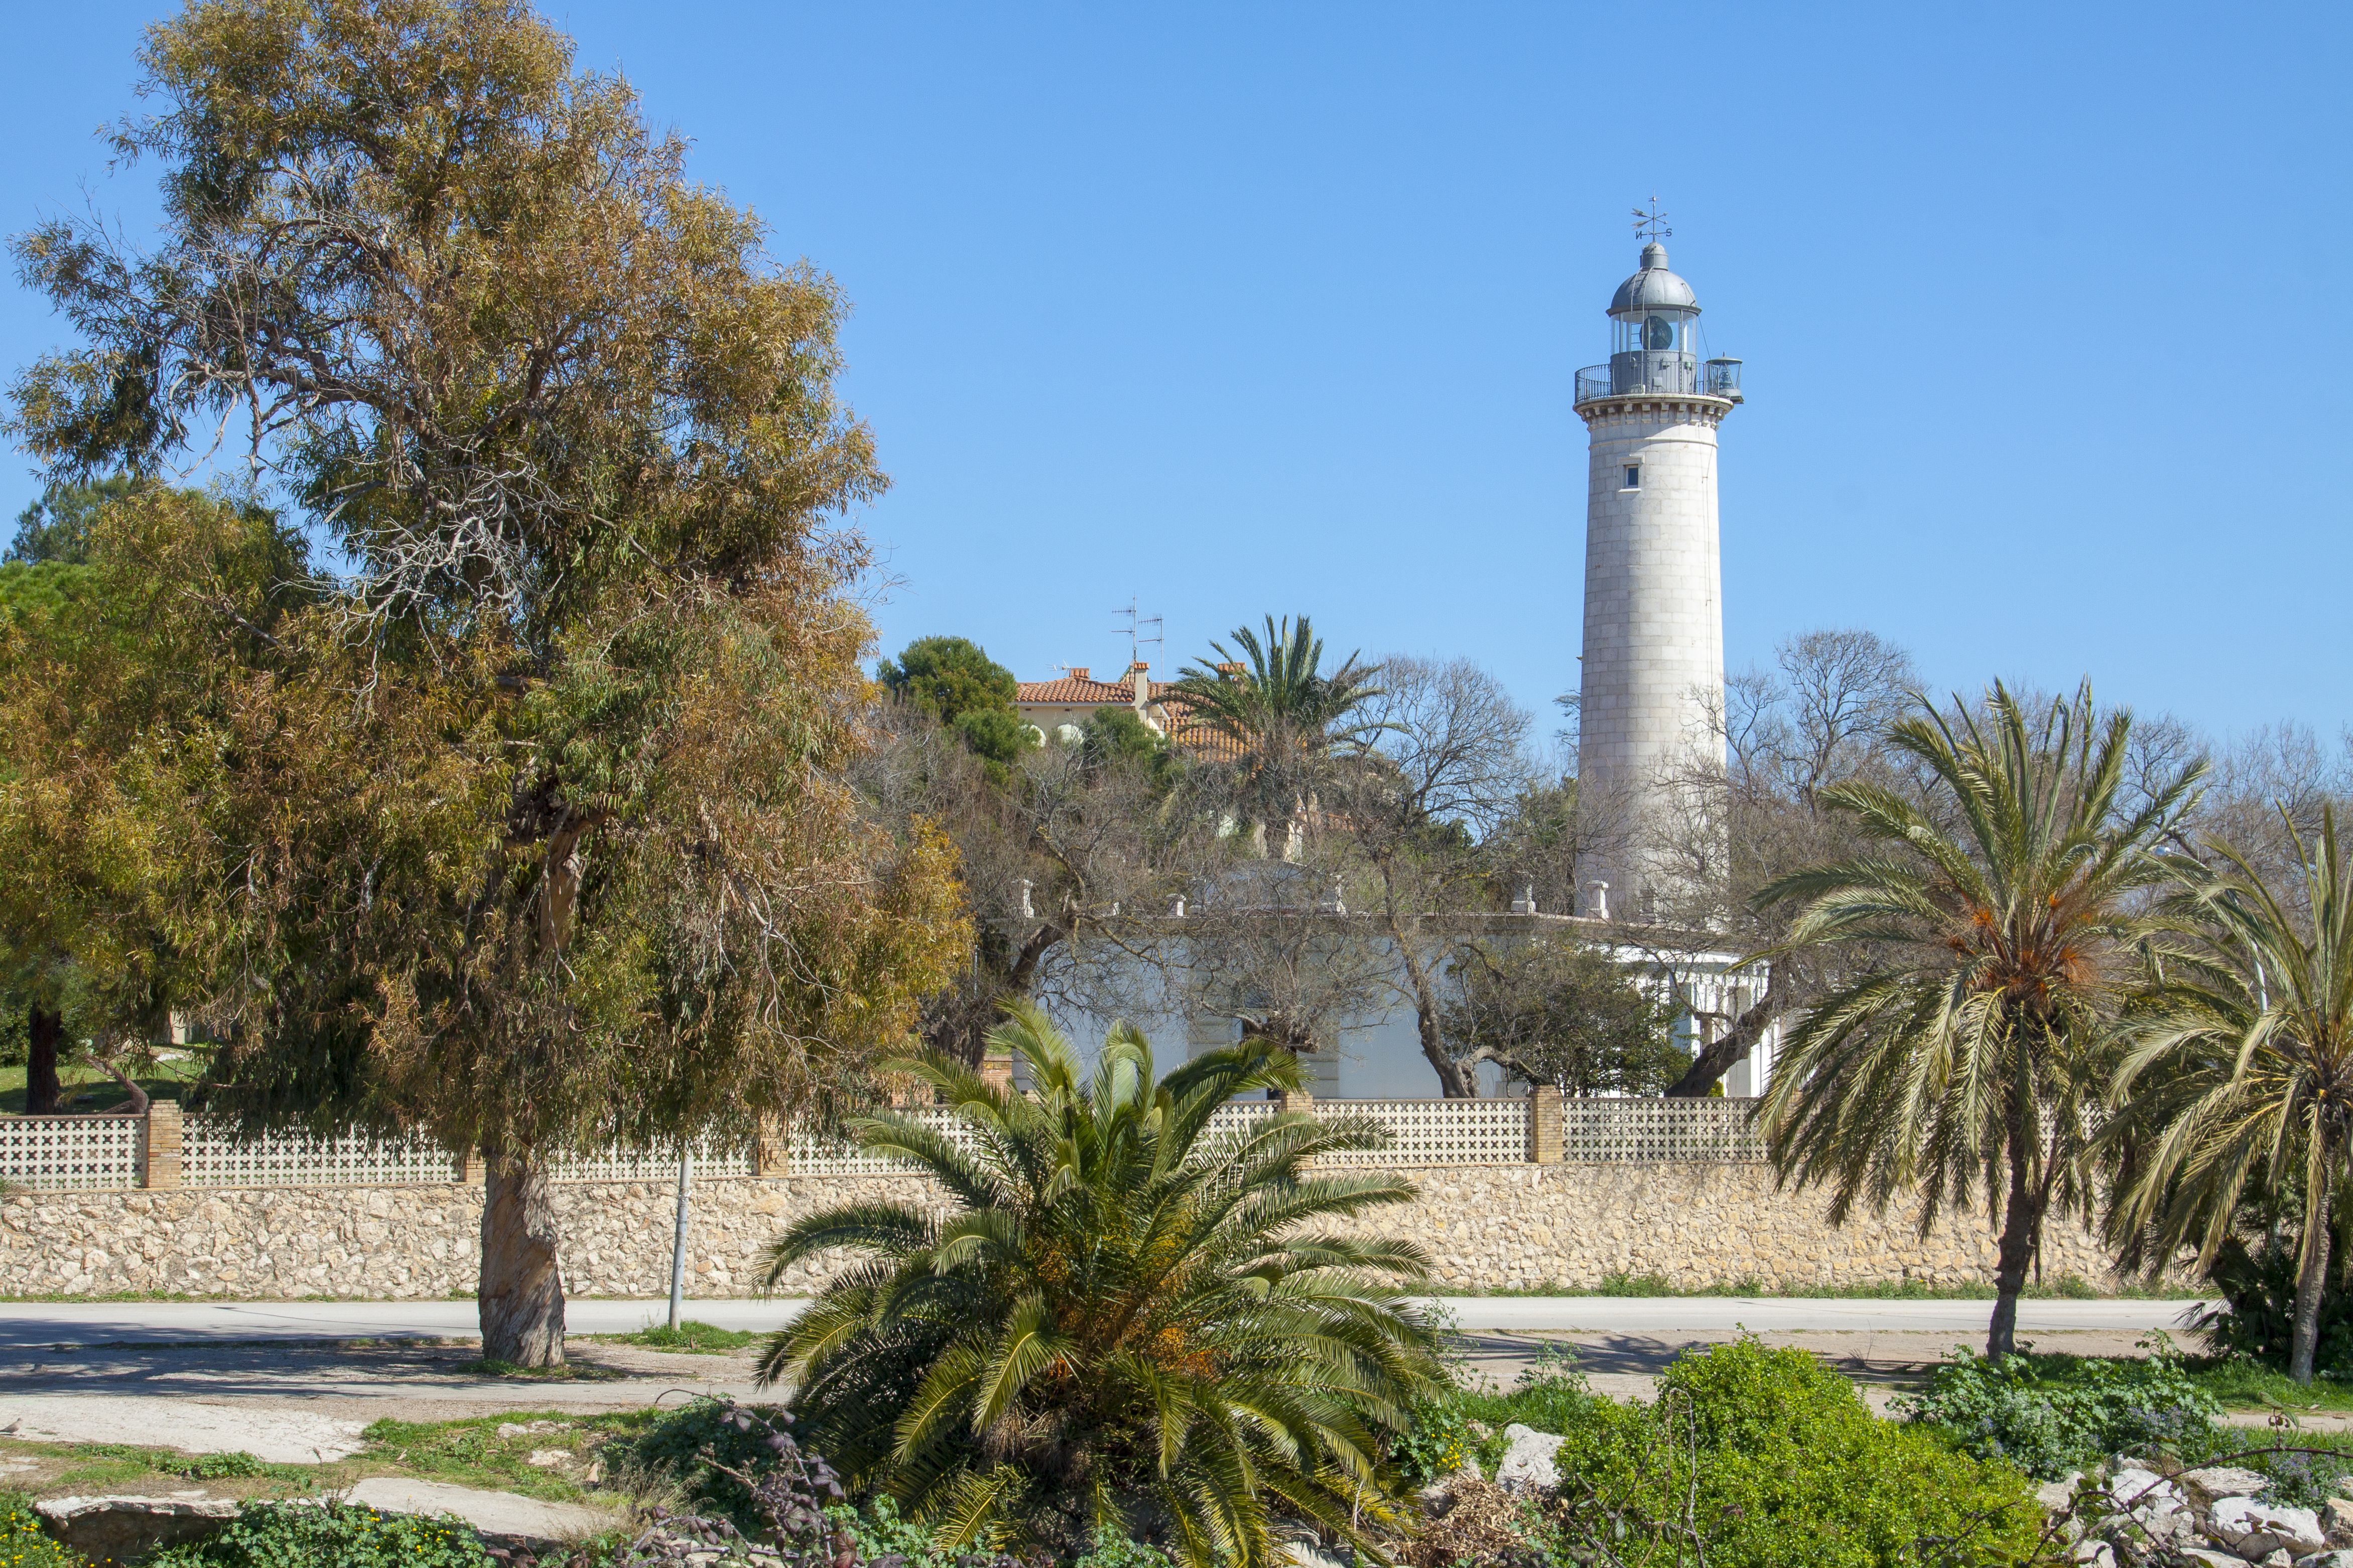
{"x": 26, "y": 1325}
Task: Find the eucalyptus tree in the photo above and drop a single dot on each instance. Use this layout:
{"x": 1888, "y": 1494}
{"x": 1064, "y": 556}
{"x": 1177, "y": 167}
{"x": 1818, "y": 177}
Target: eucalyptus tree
{"x": 2239, "y": 1073}
{"x": 551, "y": 846}
{"x": 1123, "y": 1320}
{"x": 2008, "y": 905}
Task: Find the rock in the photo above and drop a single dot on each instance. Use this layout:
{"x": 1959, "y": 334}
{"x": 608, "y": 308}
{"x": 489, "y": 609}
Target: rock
{"x": 2337, "y": 1513}
{"x": 117, "y": 1529}
{"x": 2056, "y": 1496}
{"x": 2257, "y": 1530}
{"x": 2326, "y": 1560}
{"x": 1527, "y": 1464}
{"x": 2095, "y": 1554}
{"x": 2221, "y": 1481}
{"x": 501, "y": 1517}
{"x": 1435, "y": 1500}
{"x": 2279, "y": 1559}
{"x": 2205, "y": 1558}
{"x": 549, "y": 1459}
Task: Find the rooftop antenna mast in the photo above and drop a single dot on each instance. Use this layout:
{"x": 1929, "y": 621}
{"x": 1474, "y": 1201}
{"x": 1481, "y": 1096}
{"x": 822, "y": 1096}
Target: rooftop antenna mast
{"x": 1135, "y": 630}
{"x": 1651, "y": 225}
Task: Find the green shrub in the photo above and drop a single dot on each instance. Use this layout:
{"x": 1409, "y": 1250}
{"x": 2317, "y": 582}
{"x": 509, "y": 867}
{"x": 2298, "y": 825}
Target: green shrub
{"x": 330, "y": 1535}
{"x": 2258, "y": 1290}
{"x": 1765, "y": 1459}
{"x": 682, "y": 1444}
{"x": 2049, "y": 1415}
{"x": 22, "y": 1544}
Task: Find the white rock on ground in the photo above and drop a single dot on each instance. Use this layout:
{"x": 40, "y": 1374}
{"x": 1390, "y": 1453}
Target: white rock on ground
{"x": 2257, "y": 1530}
{"x": 2205, "y": 1558}
{"x": 492, "y": 1513}
{"x": 274, "y": 1433}
{"x": 1528, "y": 1463}
{"x": 2328, "y": 1560}
{"x": 2224, "y": 1480}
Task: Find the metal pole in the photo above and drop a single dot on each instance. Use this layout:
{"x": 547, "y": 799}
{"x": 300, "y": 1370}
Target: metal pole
{"x": 678, "y": 1240}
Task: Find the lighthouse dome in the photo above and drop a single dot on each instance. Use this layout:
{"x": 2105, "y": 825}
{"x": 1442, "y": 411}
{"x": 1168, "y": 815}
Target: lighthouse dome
{"x": 1653, "y": 287}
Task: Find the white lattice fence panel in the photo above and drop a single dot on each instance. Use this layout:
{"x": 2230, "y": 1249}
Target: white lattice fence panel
{"x": 811, "y": 1155}
{"x": 1238, "y": 1116}
{"x": 712, "y": 1158}
{"x": 212, "y": 1154}
{"x": 65, "y": 1153}
{"x": 1659, "y": 1130}
{"x": 1440, "y": 1131}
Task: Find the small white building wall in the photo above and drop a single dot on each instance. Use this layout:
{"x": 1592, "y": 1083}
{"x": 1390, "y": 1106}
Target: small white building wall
{"x": 1377, "y": 1054}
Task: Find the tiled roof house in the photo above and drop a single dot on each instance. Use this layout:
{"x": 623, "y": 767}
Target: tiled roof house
{"x": 1077, "y": 696}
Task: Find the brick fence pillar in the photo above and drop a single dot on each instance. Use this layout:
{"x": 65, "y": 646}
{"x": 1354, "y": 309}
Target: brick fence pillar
{"x": 998, "y": 1072}
{"x": 1294, "y": 1100}
{"x": 467, "y": 1168}
{"x": 159, "y": 1162}
{"x": 1543, "y": 1125}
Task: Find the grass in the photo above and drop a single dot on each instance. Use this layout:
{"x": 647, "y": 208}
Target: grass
{"x": 2237, "y": 1383}
{"x": 85, "y": 1088}
{"x": 691, "y": 1337}
{"x": 492, "y": 1452}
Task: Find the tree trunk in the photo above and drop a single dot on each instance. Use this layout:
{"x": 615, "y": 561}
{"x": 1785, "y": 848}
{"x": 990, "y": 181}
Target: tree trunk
{"x": 43, "y": 1030}
{"x": 2311, "y": 1276}
{"x": 521, "y": 1297}
{"x": 1715, "y": 1059}
{"x": 2021, "y": 1219}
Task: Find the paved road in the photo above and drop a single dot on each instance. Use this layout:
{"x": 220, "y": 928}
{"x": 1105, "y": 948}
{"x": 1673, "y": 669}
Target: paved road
{"x": 31, "y": 1325}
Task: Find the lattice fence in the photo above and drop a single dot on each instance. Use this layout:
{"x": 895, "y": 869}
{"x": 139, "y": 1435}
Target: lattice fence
{"x": 1656, "y": 1130}
{"x": 65, "y": 1153}
{"x": 213, "y": 1155}
{"x": 1440, "y": 1131}
{"x": 731, "y": 1158}
{"x": 811, "y": 1154}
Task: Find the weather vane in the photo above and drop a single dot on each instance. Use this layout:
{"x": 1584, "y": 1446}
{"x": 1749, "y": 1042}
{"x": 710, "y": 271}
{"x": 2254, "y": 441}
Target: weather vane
{"x": 1651, "y": 225}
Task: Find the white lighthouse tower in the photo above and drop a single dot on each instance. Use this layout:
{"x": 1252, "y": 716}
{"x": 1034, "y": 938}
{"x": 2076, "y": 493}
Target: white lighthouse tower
{"x": 1652, "y": 683}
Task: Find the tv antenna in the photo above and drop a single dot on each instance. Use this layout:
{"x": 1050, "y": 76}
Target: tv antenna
{"x": 1135, "y": 629}
{"x": 1651, "y": 225}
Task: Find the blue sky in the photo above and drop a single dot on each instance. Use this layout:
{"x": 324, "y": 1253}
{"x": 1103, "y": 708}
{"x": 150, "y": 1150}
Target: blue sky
{"x": 1238, "y": 309}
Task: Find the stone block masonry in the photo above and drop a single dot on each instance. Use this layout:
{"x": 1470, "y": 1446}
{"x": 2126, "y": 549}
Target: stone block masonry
{"x": 1519, "y": 1227}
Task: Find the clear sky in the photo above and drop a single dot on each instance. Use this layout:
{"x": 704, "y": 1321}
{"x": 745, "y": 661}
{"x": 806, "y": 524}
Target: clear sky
{"x": 1237, "y": 308}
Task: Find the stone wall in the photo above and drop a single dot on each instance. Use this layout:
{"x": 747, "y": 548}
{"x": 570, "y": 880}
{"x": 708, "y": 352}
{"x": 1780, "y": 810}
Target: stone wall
{"x": 1486, "y": 1227}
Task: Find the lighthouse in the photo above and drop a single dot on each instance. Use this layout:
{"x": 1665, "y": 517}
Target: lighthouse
{"x": 1650, "y": 692}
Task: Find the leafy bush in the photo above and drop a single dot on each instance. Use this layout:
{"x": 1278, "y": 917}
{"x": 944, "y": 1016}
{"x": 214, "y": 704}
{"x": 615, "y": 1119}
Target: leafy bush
{"x": 23, "y": 1544}
{"x": 1759, "y": 1459}
{"x": 332, "y": 1535}
{"x": 698, "y": 1443}
{"x": 2051, "y": 1414}
{"x": 2259, "y": 1287}
{"x": 1467, "y": 1422}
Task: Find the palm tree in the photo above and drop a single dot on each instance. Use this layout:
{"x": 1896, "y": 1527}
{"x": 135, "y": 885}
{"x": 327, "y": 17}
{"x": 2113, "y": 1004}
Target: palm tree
{"x": 2005, "y": 912}
{"x": 1277, "y": 715}
{"x": 1123, "y": 1323}
{"x": 2243, "y": 1051}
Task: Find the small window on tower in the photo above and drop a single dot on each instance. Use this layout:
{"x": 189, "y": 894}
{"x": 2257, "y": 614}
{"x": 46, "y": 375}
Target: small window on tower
{"x": 1633, "y": 476}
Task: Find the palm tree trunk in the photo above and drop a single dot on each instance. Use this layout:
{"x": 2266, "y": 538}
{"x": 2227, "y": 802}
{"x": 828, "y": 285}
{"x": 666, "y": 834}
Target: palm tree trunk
{"x": 2312, "y": 1273}
{"x": 521, "y": 1297}
{"x": 2021, "y": 1215}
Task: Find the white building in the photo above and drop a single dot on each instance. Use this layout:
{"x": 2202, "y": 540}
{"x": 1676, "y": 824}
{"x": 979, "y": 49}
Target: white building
{"x": 1652, "y": 684}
